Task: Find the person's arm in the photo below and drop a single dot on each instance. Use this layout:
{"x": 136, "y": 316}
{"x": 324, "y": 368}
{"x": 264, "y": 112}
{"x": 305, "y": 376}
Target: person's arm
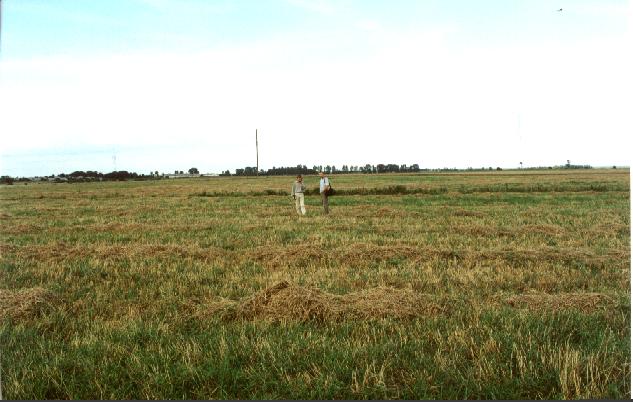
{"x": 292, "y": 193}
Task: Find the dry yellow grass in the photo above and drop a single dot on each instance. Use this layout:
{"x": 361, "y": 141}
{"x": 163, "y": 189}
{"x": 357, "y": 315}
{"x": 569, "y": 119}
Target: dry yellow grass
{"x": 468, "y": 290}
{"x": 584, "y": 302}
{"x": 25, "y": 304}
{"x": 285, "y": 301}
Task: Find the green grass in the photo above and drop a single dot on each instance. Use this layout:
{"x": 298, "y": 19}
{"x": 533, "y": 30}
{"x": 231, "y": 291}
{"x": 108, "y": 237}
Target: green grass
{"x": 133, "y": 264}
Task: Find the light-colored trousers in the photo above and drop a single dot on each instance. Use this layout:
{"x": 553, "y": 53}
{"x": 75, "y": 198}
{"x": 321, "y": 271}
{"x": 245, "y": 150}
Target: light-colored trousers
{"x": 299, "y": 204}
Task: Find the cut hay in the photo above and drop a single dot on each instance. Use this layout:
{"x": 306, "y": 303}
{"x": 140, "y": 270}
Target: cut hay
{"x": 60, "y": 251}
{"x": 298, "y": 253}
{"x": 390, "y": 212}
{"x": 303, "y": 254}
{"x": 289, "y": 302}
{"x": 584, "y": 302}
{"x": 550, "y": 230}
{"x": 25, "y": 304}
{"x": 465, "y": 212}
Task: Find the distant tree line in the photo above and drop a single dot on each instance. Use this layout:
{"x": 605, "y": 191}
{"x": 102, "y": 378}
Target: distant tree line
{"x": 328, "y": 169}
{"x": 568, "y": 165}
{"x": 274, "y": 171}
{"x": 91, "y": 175}
{"x": 79, "y": 176}
{"x": 369, "y": 169}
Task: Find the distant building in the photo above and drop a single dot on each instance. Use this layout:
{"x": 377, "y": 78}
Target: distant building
{"x": 187, "y": 175}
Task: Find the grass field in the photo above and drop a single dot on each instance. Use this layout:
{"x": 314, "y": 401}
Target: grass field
{"x": 470, "y": 285}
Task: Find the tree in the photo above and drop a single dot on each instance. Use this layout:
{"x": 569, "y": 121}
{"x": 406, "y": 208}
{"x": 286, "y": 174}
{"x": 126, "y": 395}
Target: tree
{"x": 6, "y": 180}
{"x": 120, "y": 175}
{"x": 194, "y": 170}
{"x": 393, "y": 168}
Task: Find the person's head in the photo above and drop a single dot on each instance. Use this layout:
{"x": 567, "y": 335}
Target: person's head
{"x": 299, "y": 177}
{"x": 322, "y": 174}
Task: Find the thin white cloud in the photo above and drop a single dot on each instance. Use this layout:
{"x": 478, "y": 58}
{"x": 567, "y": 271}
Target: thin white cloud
{"x": 186, "y": 6}
{"x": 318, "y": 6}
{"x": 407, "y": 98}
{"x": 369, "y": 25}
{"x": 156, "y": 4}
{"x": 599, "y": 9}
{"x": 55, "y": 12}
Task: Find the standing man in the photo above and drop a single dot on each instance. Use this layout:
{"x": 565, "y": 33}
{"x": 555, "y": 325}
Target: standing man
{"x": 298, "y": 188}
{"x": 324, "y": 187}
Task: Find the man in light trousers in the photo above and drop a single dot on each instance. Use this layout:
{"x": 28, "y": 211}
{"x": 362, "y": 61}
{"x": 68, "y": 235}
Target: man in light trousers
{"x": 298, "y": 188}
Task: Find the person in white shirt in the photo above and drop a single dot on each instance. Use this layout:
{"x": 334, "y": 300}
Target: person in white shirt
{"x": 298, "y": 188}
{"x": 324, "y": 186}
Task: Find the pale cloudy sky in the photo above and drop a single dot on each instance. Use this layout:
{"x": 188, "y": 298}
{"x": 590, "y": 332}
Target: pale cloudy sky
{"x": 172, "y": 84}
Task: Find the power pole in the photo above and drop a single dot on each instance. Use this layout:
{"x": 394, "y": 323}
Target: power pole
{"x": 257, "y": 154}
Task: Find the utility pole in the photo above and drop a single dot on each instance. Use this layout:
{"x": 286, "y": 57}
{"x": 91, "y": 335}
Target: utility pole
{"x": 256, "y": 153}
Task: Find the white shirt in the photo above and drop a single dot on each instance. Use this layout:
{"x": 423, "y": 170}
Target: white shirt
{"x": 324, "y": 182}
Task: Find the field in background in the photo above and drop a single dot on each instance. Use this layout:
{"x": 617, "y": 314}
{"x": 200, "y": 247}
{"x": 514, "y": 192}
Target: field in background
{"x": 418, "y": 286}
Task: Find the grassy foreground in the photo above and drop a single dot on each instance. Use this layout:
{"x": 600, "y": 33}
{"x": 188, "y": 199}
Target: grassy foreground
{"x": 497, "y": 285}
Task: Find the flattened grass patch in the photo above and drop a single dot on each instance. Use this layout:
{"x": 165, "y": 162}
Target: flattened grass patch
{"x": 290, "y": 302}
{"x": 25, "y": 304}
{"x": 585, "y": 302}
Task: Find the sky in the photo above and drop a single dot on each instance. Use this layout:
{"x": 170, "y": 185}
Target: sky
{"x": 165, "y": 85}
